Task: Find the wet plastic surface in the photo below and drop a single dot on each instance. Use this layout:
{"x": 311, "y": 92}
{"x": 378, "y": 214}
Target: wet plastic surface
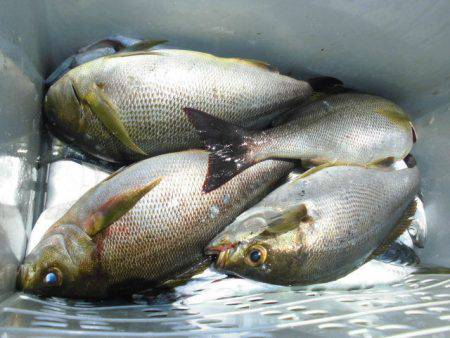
{"x": 396, "y": 49}
{"x": 418, "y": 306}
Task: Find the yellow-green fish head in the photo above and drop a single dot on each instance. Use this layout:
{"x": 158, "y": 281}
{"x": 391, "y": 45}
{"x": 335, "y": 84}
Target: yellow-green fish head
{"x": 64, "y": 108}
{"x": 250, "y": 251}
{"x": 62, "y": 264}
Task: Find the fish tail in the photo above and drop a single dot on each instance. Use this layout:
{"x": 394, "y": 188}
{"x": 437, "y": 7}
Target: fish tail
{"x": 228, "y": 144}
{"x": 324, "y": 83}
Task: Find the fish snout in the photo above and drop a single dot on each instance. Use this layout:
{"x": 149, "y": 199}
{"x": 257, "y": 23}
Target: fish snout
{"x": 25, "y": 276}
{"x": 221, "y": 253}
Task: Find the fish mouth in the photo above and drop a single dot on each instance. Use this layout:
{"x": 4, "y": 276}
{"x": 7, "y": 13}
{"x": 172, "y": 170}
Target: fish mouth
{"x": 221, "y": 253}
{"x": 23, "y": 277}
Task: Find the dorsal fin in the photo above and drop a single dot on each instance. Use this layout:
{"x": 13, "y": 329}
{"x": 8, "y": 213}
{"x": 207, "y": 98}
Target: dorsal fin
{"x": 113, "y": 174}
{"x": 255, "y": 63}
{"x": 294, "y": 175}
{"x": 396, "y": 115}
{"x": 140, "y": 48}
{"x": 402, "y": 224}
{"x": 324, "y": 166}
{"x": 413, "y": 131}
{"x": 144, "y": 45}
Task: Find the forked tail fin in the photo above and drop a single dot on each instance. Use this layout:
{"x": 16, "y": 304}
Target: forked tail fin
{"x": 228, "y": 145}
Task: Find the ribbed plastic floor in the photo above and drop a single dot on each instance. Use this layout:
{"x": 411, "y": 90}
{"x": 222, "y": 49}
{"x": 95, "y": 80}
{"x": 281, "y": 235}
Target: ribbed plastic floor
{"x": 418, "y": 306}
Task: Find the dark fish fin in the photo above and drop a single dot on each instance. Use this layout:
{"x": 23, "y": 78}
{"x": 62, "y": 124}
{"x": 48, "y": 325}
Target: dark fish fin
{"x": 228, "y": 145}
{"x": 107, "y": 112}
{"x": 144, "y": 45}
{"x": 134, "y": 53}
{"x": 288, "y": 221}
{"x": 410, "y": 161}
{"x": 414, "y": 133}
{"x": 384, "y": 162}
{"x": 140, "y": 48}
{"x": 62, "y": 69}
{"x": 103, "y": 47}
{"x": 184, "y": 277}
{"x": 116, "y": 207}
{"x": 117, "y": 42}
{"x": 402, "y": 224}
{"x": 400, "y": 254}
{"x": 324, "y": 83}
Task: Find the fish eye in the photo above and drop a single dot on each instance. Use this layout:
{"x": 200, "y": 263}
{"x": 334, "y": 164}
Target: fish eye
{"x": 256, "y": 255}
{"x": 53, "y": 277}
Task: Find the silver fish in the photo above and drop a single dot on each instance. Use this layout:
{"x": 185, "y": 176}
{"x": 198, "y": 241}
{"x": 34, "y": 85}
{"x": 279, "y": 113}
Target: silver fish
{"x": 128, "y": 106}
{"x": 350, "y": 127}
{"x": 140, "y": 227}
{"x": 319, "y": 227}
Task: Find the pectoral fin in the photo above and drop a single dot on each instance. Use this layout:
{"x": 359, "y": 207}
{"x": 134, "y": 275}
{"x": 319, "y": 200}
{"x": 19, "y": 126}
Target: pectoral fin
{"x": 116, "y": 207}
{"x": 287, "y": 221}
{"x": 106, "y": 111}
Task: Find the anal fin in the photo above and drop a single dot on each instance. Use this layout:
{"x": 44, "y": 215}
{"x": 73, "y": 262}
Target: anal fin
{"x": 184, "y": 277}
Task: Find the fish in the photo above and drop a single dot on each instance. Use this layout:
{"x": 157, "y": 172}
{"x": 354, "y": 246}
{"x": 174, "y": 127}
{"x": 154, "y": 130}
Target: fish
{"x": 128, "y": 106}
{"x": 319, "y": 227}
{"x": 392, "y": 267}
{"x": 103, "y": 47}
{"x": 141, "y": 227}
{"x": 348, "y": 127}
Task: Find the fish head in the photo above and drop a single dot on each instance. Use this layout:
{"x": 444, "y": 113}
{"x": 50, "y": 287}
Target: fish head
{"x": 250, "y": 249}
{"x": 64, "y": 108}
{"x": 62, "y": 264}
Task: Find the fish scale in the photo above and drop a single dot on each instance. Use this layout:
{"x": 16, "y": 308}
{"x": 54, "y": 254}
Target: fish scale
{"x": 351, "y": 212}
{"x": 345, "y": 126}
{"x": 149, "y": 90}
{"x": 151, "y": 221}
{"x": 157, "y": 239}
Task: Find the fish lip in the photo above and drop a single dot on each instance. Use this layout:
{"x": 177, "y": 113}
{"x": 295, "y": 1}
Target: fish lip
{"x": 217, "y": 249}
{"x": 221, "y": 252}
{"x": 222, "y": 258}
